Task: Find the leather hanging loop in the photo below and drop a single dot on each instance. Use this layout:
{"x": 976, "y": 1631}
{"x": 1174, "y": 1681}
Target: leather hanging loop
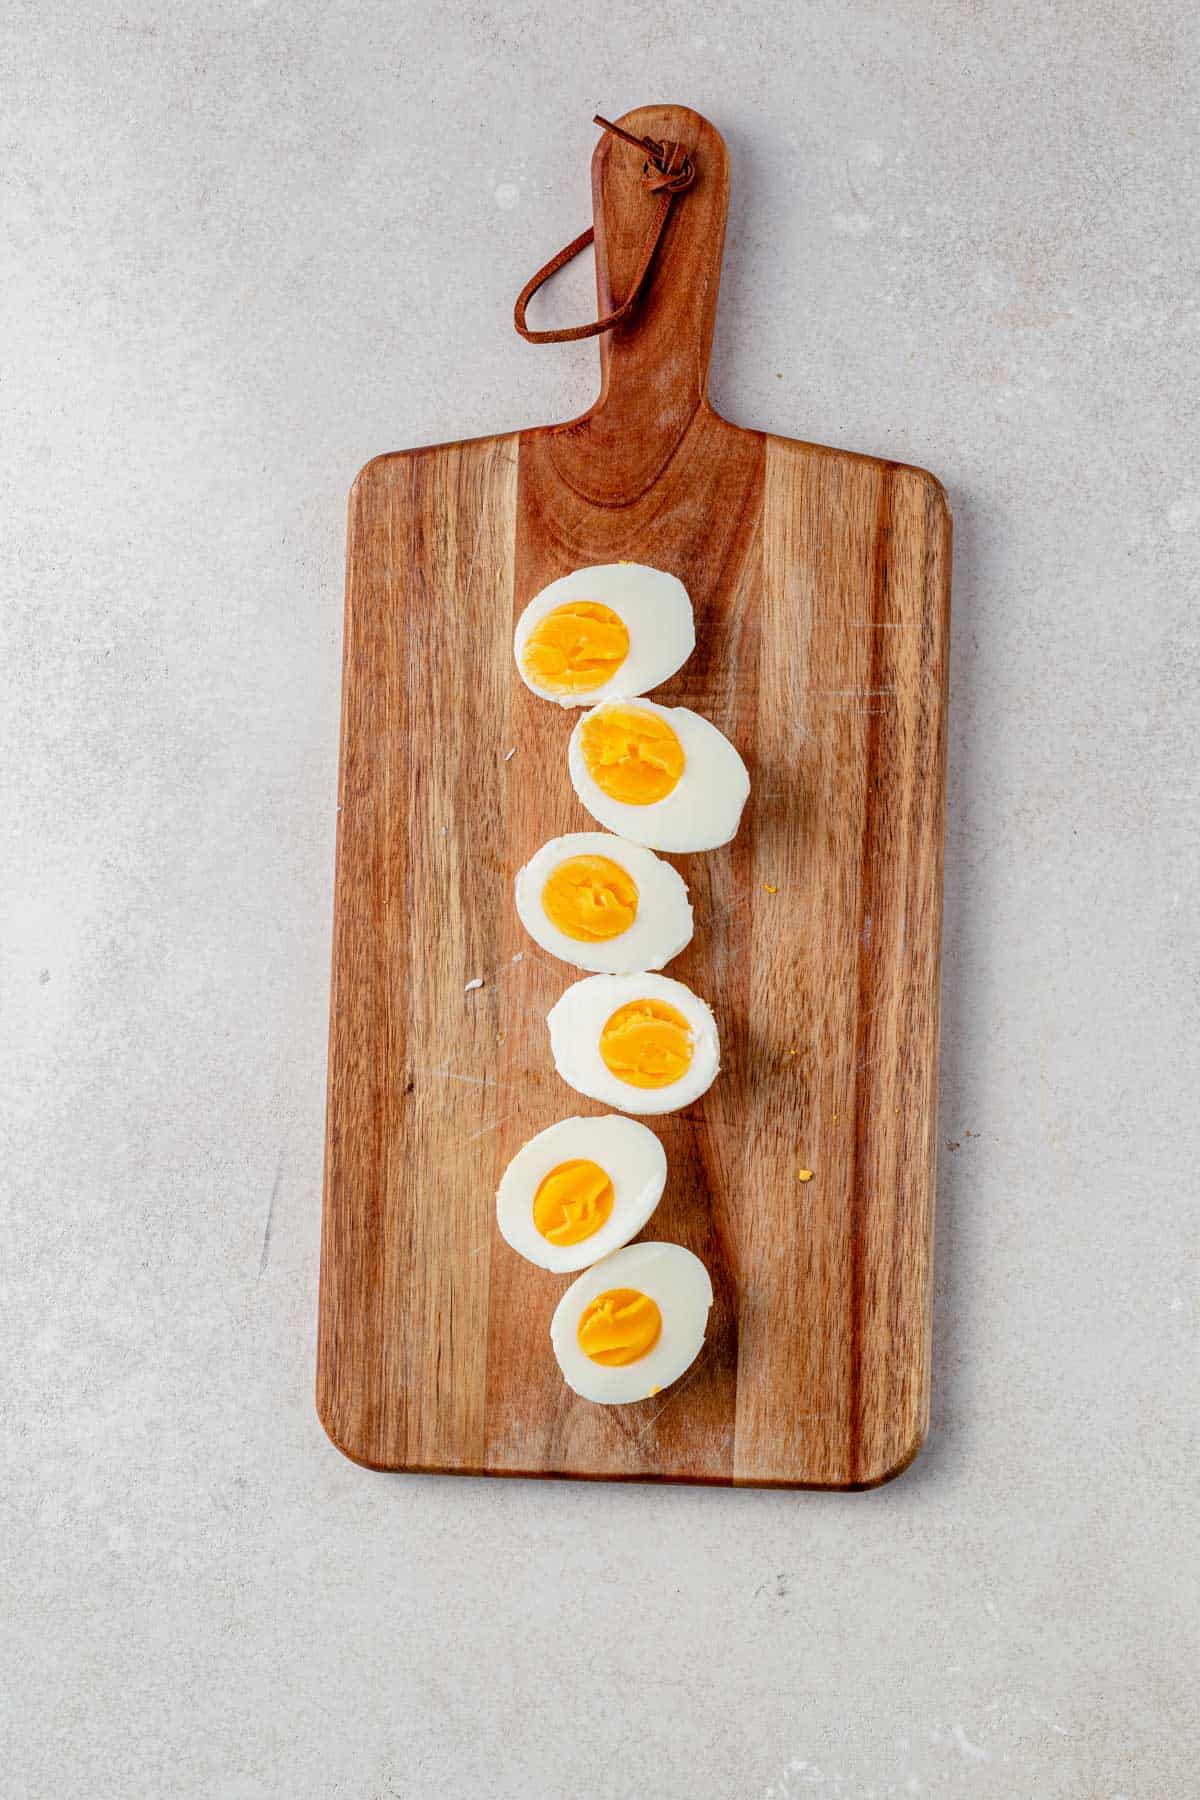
{"x": 667, "y": 170}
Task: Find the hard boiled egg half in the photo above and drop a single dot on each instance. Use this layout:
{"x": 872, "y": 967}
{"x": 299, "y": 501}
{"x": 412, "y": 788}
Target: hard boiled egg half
{"x": 658, "y": 775}
{"x": 633, "y": 1323}
{"x": 603, "y": 904}
{"x": 618, "y": 628}
{"x": 579, "y": 1190}
{"x": 644, "y": 1043}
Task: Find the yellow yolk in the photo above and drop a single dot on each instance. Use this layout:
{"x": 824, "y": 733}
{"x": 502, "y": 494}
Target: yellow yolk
{"x": 619, "y": 1326}
{"x": 573, "y": 1202}
{"x": 590, "y": 899}
{"x": 647, "y": 1044}
{"x": 576, "y": 648}
{"x": 634, "y": 756}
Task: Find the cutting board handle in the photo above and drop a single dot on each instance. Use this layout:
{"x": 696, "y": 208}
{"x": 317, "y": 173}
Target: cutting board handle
{"x": 653, "y": 367}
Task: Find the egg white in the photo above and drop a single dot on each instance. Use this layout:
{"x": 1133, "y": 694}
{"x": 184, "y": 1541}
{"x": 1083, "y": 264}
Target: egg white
{"x": 703, "y": 809}
{"x": 630, "y": 1155}
{"x": 679, "y": 1285}
{"x": 578, "y": 1018}
{"x": 657, "y": 614}
{"x": 661, "y": 929}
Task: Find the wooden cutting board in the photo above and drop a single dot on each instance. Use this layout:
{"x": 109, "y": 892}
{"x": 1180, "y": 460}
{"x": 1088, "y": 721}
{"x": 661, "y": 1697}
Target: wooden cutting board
{"x": 820, "y": 581}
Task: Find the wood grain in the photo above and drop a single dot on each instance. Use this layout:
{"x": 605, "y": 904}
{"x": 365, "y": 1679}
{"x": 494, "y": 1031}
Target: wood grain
{"x": 821, "y": 586}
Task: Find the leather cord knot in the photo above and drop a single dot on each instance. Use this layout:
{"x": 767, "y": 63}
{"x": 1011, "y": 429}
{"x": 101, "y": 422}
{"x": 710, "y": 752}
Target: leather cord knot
{"x": 667, "y": 170}
{"x": 668, "y": 166}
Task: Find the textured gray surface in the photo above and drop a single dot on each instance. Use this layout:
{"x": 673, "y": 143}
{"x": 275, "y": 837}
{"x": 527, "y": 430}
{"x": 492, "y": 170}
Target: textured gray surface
{"x": 250, "y": 246}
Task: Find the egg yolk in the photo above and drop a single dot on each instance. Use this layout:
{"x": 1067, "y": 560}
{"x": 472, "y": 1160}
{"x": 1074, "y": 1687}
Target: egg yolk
{"x": 576, "y": 648}
{"x": 647, "y": 1044}
{"x": 573, "y": 1202}
{"x": 633, "y": 756}
{"x": 590, "y": 899}
{"x": 619, "y": 1326}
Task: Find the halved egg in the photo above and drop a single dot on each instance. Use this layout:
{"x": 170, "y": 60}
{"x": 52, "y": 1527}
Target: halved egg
{"x": 644, "y": 1043}
{"x": 633, "y": 1323}
{"x": 579, "y": 1190}
{"x": 661, "y": 776}
{"x": 618, "y": 628}
{"x": 603, "y": 904}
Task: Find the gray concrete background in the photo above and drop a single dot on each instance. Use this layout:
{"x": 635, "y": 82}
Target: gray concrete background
{"x": 249, "y": 246}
